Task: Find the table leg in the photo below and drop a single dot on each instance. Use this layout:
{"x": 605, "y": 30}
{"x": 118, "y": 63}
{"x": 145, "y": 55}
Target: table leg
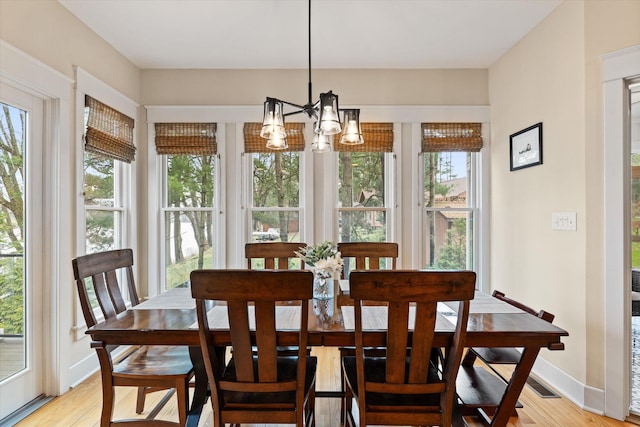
{"x": 201, "y": 390}
{"x": 515, "y": 386}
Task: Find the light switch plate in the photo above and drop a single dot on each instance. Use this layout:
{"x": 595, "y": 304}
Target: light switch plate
{"x": 565, "y": 221}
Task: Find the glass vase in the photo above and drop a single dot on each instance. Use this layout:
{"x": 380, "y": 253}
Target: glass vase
{"x": 322, "y": 285}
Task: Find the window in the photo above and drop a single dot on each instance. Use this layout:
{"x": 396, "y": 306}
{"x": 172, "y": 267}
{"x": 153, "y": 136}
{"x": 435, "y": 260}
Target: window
{"x": 363, "y": 185}
{"x": 275, "y": 186}
{"x": 274, "y": 209}
{"x": 104, "y": 207}
{"x": 108, "y": 147}
{"x": 190, "y": 164}
{"x": 449, "y": 162}
{"x": 106, "y": 203}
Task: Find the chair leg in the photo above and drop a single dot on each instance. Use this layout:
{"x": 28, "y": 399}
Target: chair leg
{"x": 469, "y": 358}
{"x": 140, "y": 400}
{"x": 182, "y": 394}
{"x": 347, "y": 416}
{"x": 343, "y": 398}
{"x": 347, "y": 401}
{"x": 107, "y": 406}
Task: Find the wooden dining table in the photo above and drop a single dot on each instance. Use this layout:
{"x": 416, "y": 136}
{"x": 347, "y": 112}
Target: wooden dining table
{"x": 170, "y": 319}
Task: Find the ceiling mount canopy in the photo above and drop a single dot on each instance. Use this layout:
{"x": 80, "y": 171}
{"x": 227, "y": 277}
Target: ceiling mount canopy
{"x": 324, "y": 111}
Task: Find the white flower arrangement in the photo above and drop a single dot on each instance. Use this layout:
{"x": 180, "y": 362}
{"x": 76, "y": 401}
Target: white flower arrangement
{"x": 323, "y": 259}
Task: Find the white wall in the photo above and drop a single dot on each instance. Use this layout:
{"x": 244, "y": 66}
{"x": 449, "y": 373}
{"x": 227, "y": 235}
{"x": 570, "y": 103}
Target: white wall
{"x": 554, "y": 75}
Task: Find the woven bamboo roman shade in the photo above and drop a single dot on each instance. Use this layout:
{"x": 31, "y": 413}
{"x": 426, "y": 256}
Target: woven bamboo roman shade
{"x": 378, "y": 137}
{"x": 186, "y": 138}
{"x": 253, "y": 143}
{"x": 451, "y": 137}
{"x": 109, "y": 132}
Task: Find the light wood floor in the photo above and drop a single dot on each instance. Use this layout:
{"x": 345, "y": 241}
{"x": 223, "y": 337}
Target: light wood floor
{"x": 80, "y": 407}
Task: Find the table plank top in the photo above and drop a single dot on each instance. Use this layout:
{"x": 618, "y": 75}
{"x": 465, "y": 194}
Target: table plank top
{"x": 170, "y": 318}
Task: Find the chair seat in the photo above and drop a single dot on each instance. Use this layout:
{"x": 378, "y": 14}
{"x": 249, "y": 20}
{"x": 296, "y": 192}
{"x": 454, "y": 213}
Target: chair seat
{"x": 287, "y": 370}
{"x": 498, "y": 355}
{"x": 155, "y": 360}
{"x": 375, "y": 371}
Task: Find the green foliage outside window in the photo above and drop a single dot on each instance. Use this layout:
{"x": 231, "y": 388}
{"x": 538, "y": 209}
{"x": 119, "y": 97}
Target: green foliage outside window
{"x": 189, "y": 229}
{"x": 12, "y": 179}
{"x": 276, "y": 184}
{"x": 99, "y": 192}
{"x": 362, "y": 185}
{"x": 453, "y": 255}
{"x": 446, "y": 196}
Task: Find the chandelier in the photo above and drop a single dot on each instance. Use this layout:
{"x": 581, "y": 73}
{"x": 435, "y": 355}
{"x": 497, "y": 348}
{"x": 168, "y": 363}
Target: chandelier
{"x": 325, "y": 112}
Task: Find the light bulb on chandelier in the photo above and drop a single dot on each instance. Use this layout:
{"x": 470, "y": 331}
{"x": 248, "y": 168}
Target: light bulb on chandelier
{"x": 325, "y": 111}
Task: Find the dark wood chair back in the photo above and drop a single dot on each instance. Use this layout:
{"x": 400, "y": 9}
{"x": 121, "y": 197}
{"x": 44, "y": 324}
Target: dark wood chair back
{"x": 100, "y": 272}
{"x": 257, "y": 386}
{"x": 368, "y": 255}
{"x": 276, "y": 255}
{"x": 477, "y": 388}
{"x": 544, "y": 315}
{"x": 151, "y": 369}
{"x": 407, "y": 389}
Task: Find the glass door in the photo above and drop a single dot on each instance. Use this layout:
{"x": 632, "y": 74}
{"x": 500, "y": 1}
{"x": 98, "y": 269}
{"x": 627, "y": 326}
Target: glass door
{"x": 21, "y": 349}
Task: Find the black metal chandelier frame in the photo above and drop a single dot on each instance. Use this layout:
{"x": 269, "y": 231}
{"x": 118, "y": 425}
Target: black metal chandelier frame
{"x": 325, "y": 111}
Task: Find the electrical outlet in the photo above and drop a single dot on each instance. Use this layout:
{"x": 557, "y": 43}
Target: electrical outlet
{"x": 563, "y": 221}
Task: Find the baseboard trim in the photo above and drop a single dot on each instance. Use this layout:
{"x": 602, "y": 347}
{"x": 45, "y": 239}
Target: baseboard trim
{"x": 585, "y": 397}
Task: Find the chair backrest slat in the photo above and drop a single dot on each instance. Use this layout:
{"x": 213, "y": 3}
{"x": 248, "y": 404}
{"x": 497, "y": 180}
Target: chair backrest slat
{"x": 280, "y": 252}
{"x": 368, "y": 255}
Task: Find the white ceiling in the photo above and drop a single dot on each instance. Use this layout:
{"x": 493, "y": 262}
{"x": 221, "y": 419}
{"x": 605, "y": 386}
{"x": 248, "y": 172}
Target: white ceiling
{"x": 240, "y": 34}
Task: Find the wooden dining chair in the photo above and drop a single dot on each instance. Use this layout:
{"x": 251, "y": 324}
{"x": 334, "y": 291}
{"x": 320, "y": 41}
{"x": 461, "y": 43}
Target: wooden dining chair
{"x": 478, "y": 389}
{"x": 262, "y": 387}
{"x": 275, "y": 255}
{"x": 365, "y": 256}
{"x": 503, "y": 355}
{"x": 407, "y": 388}
{"x": 150, "y": 368}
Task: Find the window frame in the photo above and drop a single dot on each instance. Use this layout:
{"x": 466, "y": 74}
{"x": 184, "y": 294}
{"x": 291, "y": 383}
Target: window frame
{"x": 163, "y": 209}
{"x": 247, "y": 187}
{"x": 390, "y": 205}
{"x": 124, "y": 177}
{"x": 156, "y": 165}
{"x": 480, "y": 175}
{"x": 472, "y": 207}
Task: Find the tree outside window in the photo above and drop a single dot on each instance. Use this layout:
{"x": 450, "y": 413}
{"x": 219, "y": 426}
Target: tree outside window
{"x": 362, "y": 213}
{"x": 448, "y": 210}
{"x": 13, "y": 122}
{"x": 188, "y": 216}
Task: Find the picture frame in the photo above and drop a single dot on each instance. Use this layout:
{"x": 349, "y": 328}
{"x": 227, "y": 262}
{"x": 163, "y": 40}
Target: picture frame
{"x": 525, "y": 147}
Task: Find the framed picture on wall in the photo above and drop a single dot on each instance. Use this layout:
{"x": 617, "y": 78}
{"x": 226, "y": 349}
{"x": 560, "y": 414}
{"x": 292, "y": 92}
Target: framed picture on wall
{"x": 526, "y": 147}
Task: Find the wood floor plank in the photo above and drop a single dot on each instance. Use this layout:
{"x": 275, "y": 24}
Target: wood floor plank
{"x": 80, "y": 406}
